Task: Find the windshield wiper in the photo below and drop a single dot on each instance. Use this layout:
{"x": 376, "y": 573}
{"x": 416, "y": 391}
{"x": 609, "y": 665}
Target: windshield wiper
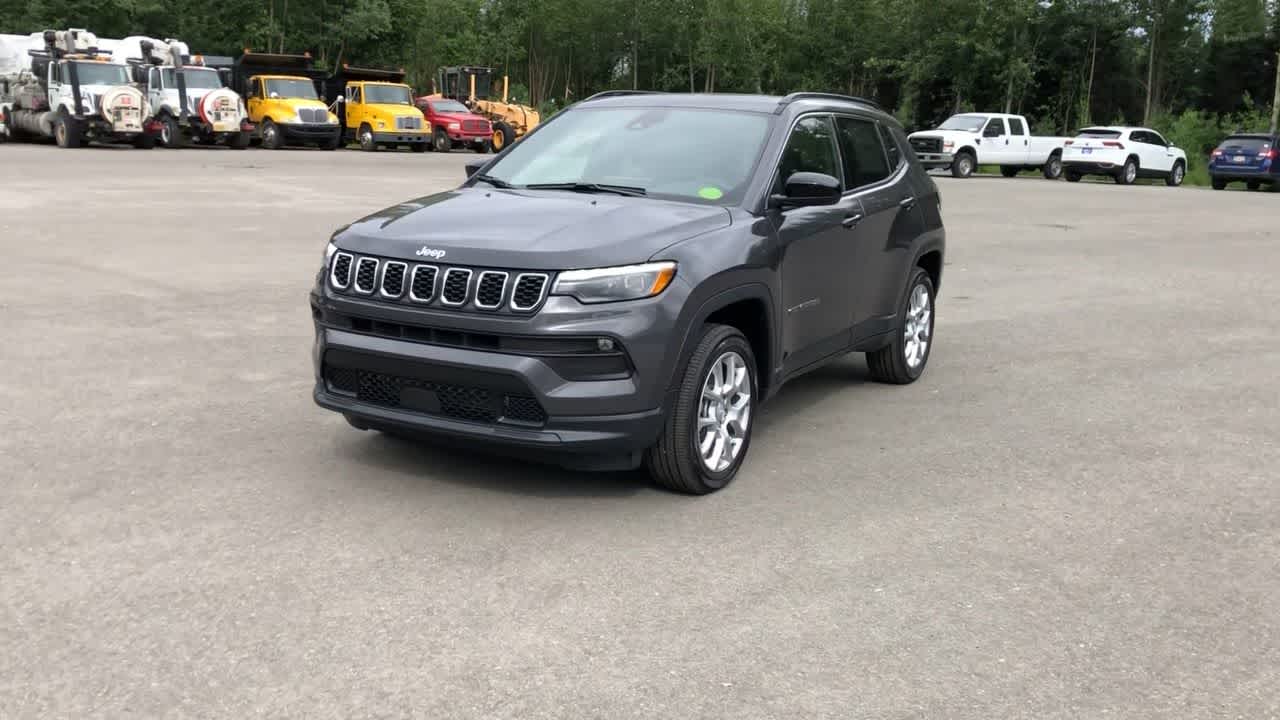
{"x": 500, "y": 184}
{"x": 589, "y": 188}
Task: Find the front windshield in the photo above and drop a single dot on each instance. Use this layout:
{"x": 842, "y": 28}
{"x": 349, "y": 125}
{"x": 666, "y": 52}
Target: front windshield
{"x": 387, "y": 95}
{"x": 686, "y": 154}
{"x": 288, "y": 88}
{"x": 91, "y": 73}
{"x": 970, "y": 123}
{"x": 196, "y": 79}
{"x": 448, "y": 106}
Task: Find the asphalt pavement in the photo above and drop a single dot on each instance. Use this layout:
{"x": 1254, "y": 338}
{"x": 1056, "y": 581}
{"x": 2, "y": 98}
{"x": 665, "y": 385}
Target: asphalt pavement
{"x": 1074, "y": 514}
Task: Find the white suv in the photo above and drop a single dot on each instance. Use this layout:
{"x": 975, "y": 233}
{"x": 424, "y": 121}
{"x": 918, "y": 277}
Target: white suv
{"x": 1123, "y": 153}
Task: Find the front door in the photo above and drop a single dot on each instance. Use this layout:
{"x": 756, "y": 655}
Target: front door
{"x": 353, "y": 109}
{"x": 253, "y": 103}
{"x": 1161, "y": 154}
{"x": 995, "y": 144}
{"x": 818, "y": 251}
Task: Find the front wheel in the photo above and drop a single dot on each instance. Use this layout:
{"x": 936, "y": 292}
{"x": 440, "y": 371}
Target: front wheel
{"x": 1053, "y": 169}
{"x": 903, "y": 360}
{"x": 272, "y": 138}
{"x": 366, "y": 138}
{"x": 441, "y": 141}
{"x": 503, "y": 136}
{"x": 708, "y": 430}
{"x": 66, "y": 131}
{"x": 962, "y": 166}
{"x": 170, "y": 133}
{"x": 1176, "y": 175}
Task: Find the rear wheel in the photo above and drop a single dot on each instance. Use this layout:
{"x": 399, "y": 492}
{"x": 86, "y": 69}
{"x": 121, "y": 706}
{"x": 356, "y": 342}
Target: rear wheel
{"x": 503, "y": 136}
{"x": 1009, "y": 170}
{"x": 903, "y": 360}
{"x": 272, "y": 138}
{"x": 365, "y": 136}
{"x": 1128, "y": 172}
{"x": 708, "y": 430}
{"x": 1052, "y": 170}
{"x": 170, "y": 134}
{"x": 1073, "y": 176}
{"x": 1176, "y": 175}
{"x": 1219, "y": 184}
{"x": 66, "y": 131}
{"x": 441, "y": 141}
{"x": 963, "y": 164}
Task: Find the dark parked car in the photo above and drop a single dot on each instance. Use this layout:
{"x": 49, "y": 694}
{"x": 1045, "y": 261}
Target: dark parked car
{"x": 630, "y": 281}
{"x": 1250, "y": 158}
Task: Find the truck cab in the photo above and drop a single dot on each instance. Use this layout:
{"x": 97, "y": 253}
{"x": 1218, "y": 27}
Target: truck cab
{"x": 281, "y": 98}
{"x": 375, "y": 109}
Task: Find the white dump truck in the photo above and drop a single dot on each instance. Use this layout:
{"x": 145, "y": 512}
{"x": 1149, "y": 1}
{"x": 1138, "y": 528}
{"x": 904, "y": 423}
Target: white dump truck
{"x": 59, "y": 84}
{"x": 188, "y": 96}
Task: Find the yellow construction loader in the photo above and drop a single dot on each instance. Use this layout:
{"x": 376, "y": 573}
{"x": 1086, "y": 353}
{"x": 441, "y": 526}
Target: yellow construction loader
{"x": 473, "y": 86}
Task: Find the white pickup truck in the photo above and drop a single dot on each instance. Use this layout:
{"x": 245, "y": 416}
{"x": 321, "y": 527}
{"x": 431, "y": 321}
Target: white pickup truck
{"x": 968, "y": 140}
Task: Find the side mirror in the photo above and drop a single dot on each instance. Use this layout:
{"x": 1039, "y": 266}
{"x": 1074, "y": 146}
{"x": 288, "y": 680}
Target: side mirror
{"x": 340, "y": 99}
{"x": 473, "y": 166}
{"x": 808, "y": 189}
{"x": 274, "y": 95}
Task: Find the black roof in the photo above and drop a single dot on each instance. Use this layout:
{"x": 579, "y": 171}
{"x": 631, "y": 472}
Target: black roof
{"x": 727, "y": 101}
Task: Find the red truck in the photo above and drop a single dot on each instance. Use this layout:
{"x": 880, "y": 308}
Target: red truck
{"x": 453, "y": 124}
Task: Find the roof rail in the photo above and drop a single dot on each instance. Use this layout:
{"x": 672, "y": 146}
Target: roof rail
{"x": 620, "y": 93}
{"x": 825, "y": 96}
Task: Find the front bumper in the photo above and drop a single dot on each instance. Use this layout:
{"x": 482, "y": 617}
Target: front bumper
{"x": 932, "y": 160}
{"x": 525, "y": 402}
{"x": 309, "y": 132}
{"x": 469, "y": 136}
{"x": 403, "y": 137}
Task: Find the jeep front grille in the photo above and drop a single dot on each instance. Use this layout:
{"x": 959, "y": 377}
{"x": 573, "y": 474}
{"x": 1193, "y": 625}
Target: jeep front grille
{"x": 451, "y": 287}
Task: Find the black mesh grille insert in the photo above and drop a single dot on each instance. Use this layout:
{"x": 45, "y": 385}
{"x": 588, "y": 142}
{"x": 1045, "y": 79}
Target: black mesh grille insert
{"x": 366, "y": 274}
{"x": 455, "y": 286}
{"x": 393, "y": 279}
{"x": 341, "y": 270}
{"x": 424, "y": 283}
{"x": 460, "y": 402}
{"x": 528, "y": 291}
{"x": 489, "y": 290}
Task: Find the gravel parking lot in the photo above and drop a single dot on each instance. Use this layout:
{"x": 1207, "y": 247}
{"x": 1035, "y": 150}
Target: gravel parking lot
{"x": 1074, "y": 514}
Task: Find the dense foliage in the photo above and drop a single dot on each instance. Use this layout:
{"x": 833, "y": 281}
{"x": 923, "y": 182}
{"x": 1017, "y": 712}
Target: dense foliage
{"x": 1183, "y": 65}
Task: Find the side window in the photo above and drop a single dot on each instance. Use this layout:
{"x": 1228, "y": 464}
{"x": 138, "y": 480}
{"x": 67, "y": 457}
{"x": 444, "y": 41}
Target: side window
{"x": 255, "y": 87}
{"x": 864, "y": 160}
{"x": 1140, "y": 136}
{"x": 810, "y": 148}
{"x": 153, "y": 78}
{"x": 353, "y": 94}
{"x": 55, "y": 72}
{"x": 1016, "y": 127}
{"x": 891, "y": 148}
{"x": 1155, "y": 139}
{"x": 995, "y": 128}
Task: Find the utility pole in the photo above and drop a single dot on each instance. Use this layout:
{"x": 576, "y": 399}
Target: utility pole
{"x": 1275, "y": 102}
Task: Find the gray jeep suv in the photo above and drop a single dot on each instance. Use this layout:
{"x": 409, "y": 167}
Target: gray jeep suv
{"x": 629, "y": 282}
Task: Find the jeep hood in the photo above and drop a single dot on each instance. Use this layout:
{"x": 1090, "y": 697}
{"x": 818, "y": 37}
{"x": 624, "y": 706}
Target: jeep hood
{"x": 529, "y": 230}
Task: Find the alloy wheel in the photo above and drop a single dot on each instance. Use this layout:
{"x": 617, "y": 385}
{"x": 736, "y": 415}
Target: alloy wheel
{"x": 918, "y": 327}
{"x": 1130, "y": 172}
{"x": 724, "y": 412}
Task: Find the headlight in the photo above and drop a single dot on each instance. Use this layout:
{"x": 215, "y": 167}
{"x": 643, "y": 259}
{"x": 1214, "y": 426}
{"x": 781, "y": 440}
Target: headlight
{"x": 332, "y": 119}
{"x": 328, "y": 253}
{"x": 630, "y": 282}
{"x": 455, "y": 126}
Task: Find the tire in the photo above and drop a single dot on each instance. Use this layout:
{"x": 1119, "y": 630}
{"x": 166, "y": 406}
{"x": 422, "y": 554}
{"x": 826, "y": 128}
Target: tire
{"x": 1052, "y": 169}
{"x": 503, "y": 136}
{"x": 1072, "y": 176}
{"x": 1128, "y": 172}
{"x": 440, "y": 141}
{"x": 420, "y": 147}
{"x": 1219, "y": 184}
{"x": 272, "y": 138}
{"x": 900, "y": 363}
{"x": 145, "y": 141}
{"x": 963, "y": 164}
{"x": 1009, "y": 170}
{"x": 66, "y": 131}
{"x": 1253, "y": 185}
{"x": 482, "y": 147}
{"x": 1176, "y": 175}
{"x": 365, "y": 136}
{"x": 170, "y": 133}
{"x": 239, "y": 141}
{"x": 675, "y": 461}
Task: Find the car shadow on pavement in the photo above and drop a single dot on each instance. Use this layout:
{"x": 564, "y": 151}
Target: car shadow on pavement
{"x": 801, "y": 394}
{"x": 430, "y": 460}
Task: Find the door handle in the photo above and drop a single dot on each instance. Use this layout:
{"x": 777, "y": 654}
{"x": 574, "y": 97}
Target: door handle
{"x": 907, "y": 203}
{"x": 850, "y": 220}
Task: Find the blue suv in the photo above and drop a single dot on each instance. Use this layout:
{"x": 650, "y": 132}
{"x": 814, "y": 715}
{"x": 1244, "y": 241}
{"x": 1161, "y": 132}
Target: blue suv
{"x": 1251, "y": 158}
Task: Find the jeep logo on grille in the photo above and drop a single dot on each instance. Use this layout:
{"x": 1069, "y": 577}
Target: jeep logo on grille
{"x": 430, "y": 252}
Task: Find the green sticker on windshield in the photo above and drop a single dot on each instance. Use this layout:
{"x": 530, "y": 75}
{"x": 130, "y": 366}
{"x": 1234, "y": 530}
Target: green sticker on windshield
{"x": 710, "y": 193}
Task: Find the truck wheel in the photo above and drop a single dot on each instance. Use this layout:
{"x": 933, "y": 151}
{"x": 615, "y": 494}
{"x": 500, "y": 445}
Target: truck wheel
{"x": 441, "y": 141}
{"x": 1128, "y": 172}
{"x": 1052, "y": 170}
{"x": 1009, "y": 171}
{"x": 145, "y": 141}
{"x": 272, "y": 138}
{"x": 503, "y": 136}
{"x": 1073, "y": 176}
{"x": 482, "y": 147}
{"x": 170, "y": 134}
{"x": 66, "y": 131}
{"x": 903, "y": 360}
{"x": 1176, "y": 175}
{"x": 708, "y": 430}
{"x": 239, "y": 141}
{"x": 963, "y": 164}
{"x": 366, "y": 138}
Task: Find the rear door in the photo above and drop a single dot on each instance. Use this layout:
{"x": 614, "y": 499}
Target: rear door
{"x": 1019, "y": 148}
{"x": 818, "y": 251}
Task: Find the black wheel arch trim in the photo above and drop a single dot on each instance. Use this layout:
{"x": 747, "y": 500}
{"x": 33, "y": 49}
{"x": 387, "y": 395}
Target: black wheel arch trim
{"x": 751, "y": 290}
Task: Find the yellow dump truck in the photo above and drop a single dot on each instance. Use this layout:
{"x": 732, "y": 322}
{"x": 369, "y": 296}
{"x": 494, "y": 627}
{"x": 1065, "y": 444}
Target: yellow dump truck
{"x": 376, "y": 109}
{"x": 280, "y": 93}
